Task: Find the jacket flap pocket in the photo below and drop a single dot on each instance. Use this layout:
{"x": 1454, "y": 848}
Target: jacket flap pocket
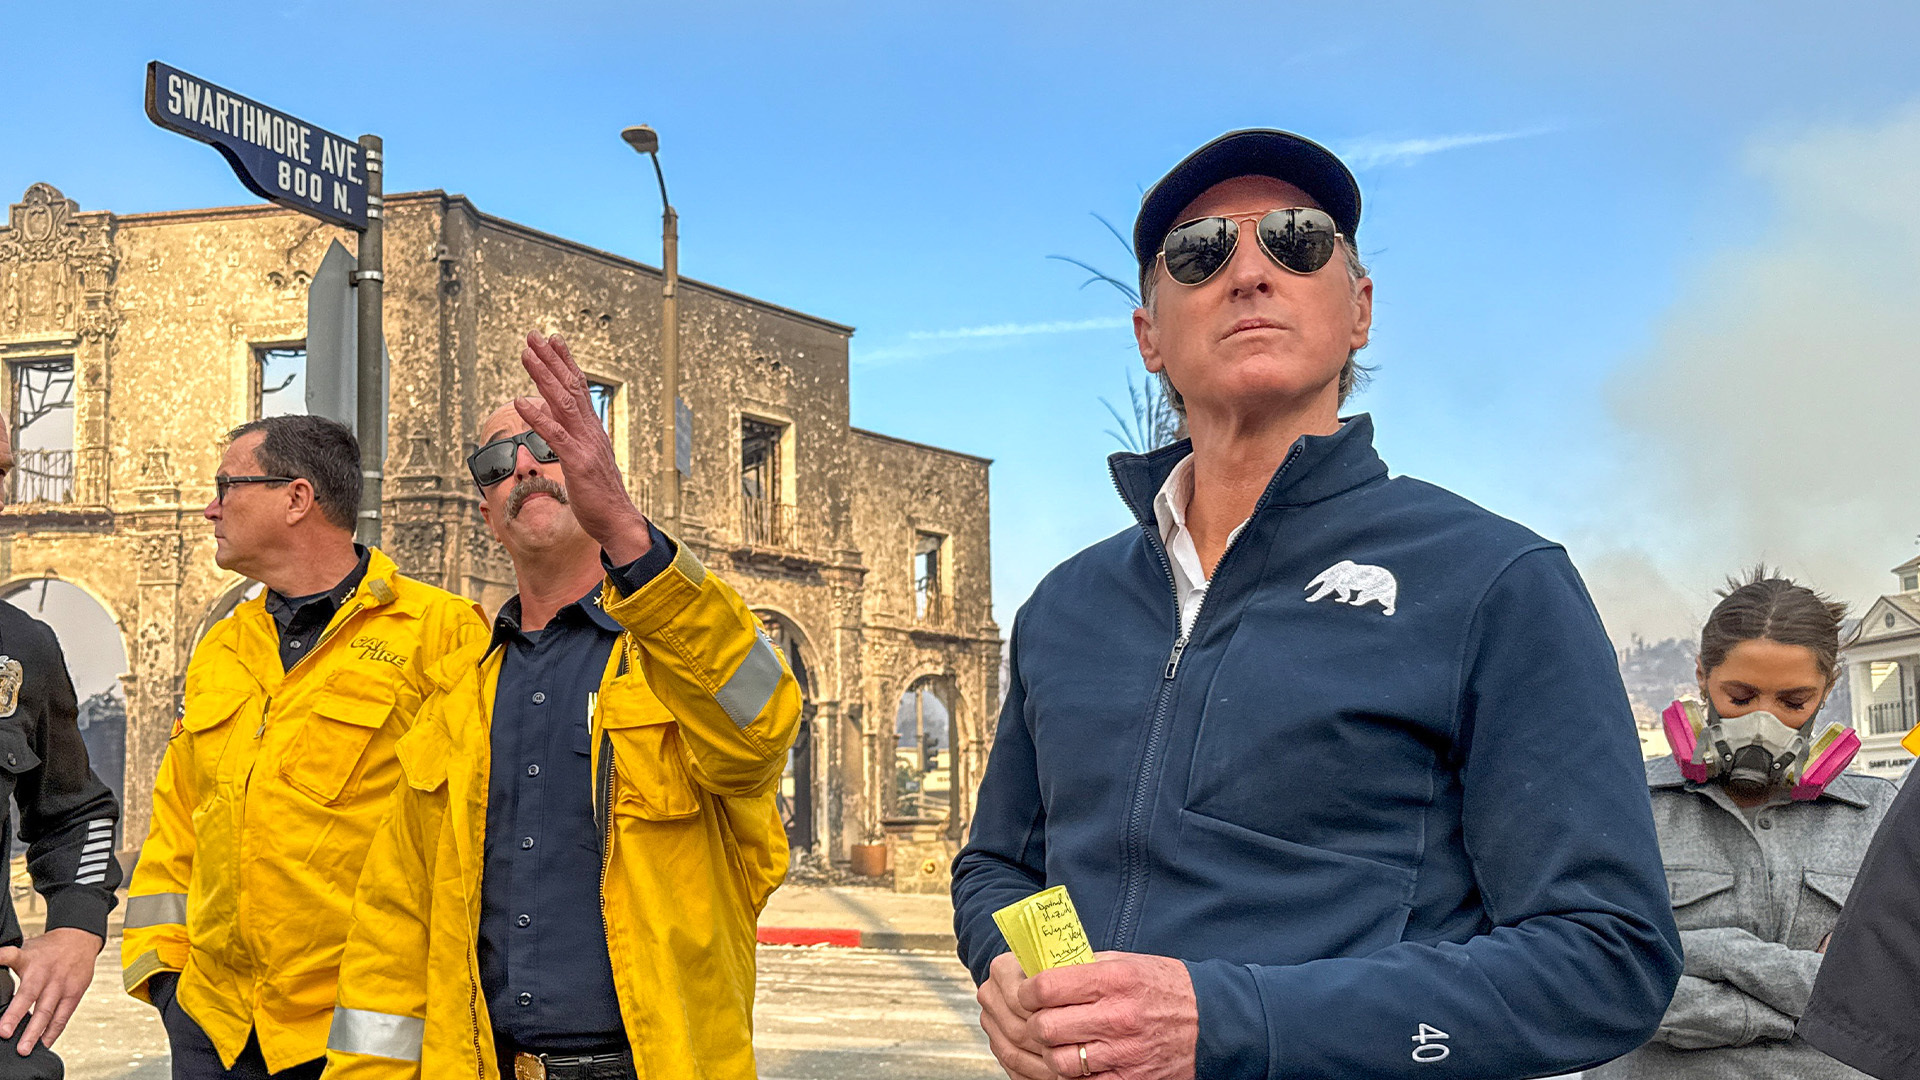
{"x": 325, "y": 755}
{"x": 354, "y": 697}
{"x": 209, "y": 709}
{"x": 1834, "y": 886}
{"x": 650, "y": 773}
{"x": 447, "y": 671}
{"x": 367, "y": 714}
{"x": 1690, "y": 885}
{"x": 423, "y": 754}
{"x": 629, "y": 703}
{"x": 15, "y": 755}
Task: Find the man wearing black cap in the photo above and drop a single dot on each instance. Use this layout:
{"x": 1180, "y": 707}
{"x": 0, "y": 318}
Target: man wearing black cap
{"x": 1336, "y": 767}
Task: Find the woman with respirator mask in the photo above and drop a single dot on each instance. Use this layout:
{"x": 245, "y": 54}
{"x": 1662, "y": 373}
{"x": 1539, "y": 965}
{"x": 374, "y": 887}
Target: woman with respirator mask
{"x": 1761, "y": 830}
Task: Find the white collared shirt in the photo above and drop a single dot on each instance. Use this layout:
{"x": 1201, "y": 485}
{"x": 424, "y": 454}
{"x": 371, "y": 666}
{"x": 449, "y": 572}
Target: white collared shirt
{"x": 1170, "y": 513}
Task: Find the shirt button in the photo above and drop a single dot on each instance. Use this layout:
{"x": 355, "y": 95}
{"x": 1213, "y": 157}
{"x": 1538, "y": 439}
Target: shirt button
{"x": 526, "y": 843}
{"x": 295, "y": 643}
{"x": 525, "y": 999}
{"x": 533, "y": 770}
{"x": 1766, "y": 823}
{"x": 539, "y": 697}
{"x": 525, "y": 920}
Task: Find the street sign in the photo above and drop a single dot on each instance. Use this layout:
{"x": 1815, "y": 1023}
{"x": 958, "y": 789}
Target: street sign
{"x": 332, "y": 355}
{"x": 333, "y": 347}
{"x": 682, "y": 436}
{"x": 278, "y": 157}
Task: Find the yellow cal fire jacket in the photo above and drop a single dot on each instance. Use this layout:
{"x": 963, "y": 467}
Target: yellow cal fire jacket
{"x": 268, "y": 796}
{"x": 690, "y": 731}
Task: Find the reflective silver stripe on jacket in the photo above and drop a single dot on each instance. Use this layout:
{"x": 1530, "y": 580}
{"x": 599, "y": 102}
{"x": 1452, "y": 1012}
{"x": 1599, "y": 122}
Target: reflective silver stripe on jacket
{"x": 94, "y": 854}
{"x": 156, "y": 909}
{"x": 752, "y": 684}
{"x": 359, "y": 1031}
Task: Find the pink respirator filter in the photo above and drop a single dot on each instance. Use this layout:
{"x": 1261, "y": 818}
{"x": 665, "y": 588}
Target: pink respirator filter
{"x": 1829, "y": 758}
{"x": 1681, "y": 735}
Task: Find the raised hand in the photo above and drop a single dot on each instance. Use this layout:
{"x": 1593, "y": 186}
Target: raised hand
{"x": 563, "y": 415}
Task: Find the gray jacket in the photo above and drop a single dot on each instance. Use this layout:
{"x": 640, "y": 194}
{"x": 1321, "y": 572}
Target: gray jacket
{"x": 1752, "y": 902}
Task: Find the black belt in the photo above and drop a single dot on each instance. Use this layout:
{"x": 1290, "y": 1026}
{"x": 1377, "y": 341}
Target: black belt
{"x": 611, "y": 1065}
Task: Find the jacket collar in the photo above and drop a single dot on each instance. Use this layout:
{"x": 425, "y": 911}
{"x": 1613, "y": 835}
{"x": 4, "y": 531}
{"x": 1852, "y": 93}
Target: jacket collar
{"x": 1317, "y": 467}
{"x": 507, "y": 623}
{"x": 1848, "y": 788}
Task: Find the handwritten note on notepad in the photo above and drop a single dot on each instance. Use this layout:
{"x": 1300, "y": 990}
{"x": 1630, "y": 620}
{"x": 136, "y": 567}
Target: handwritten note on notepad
{"x": 1044, "y": 931}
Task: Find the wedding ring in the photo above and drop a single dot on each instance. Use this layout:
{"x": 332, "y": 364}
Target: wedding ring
{"x": 1084, "y": 1070}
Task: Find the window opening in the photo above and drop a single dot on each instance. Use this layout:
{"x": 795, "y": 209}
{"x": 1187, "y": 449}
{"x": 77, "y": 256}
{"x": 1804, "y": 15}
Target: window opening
{"x": 601, "y": 395}
{"x": 926, "y": 575}
{"x": 280, "y": 373}
{"x": 761, "y": 513}
{"x": 42, "y": 423}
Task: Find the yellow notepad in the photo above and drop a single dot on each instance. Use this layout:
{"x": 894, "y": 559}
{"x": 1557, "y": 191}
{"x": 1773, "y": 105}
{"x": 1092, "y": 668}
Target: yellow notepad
{"x": 1044, "y": 931}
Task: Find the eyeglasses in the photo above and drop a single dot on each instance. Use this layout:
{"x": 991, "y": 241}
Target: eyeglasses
{"x": 224, "y": 484}
{"x": 495, "y": 461}
{"x": 1298, "y": 238}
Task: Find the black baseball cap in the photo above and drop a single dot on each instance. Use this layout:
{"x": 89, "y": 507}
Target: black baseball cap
{"x": 1254, "y": 152}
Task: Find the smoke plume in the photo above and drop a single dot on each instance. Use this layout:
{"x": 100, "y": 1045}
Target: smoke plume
{"x": 1776, "y": 415}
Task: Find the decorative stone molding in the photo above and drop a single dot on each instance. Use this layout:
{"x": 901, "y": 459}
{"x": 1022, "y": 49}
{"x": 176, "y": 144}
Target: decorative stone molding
{"x": 56, "y": 267}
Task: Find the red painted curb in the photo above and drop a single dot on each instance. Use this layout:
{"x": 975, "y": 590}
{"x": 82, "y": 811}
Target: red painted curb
{"x": 809, "y": 935}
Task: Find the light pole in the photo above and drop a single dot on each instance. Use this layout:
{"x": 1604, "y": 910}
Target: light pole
{"x": 645, "y": 140}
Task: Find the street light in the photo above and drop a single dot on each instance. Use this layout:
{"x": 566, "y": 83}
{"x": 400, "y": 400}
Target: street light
{"x": 646, "y": 141}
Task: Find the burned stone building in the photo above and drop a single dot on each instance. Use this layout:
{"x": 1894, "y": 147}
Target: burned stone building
{"x": 133, "y": 342}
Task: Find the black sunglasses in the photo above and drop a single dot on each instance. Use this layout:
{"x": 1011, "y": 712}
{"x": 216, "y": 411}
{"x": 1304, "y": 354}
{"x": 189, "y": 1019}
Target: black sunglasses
{"x": 1299, "y": 238}
{"x": 494, "y": 462}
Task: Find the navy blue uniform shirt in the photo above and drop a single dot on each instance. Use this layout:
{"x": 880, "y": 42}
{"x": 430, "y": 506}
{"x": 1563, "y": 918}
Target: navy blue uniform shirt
{"x": 543, "y": 942}
{"x": 302, "y": 619}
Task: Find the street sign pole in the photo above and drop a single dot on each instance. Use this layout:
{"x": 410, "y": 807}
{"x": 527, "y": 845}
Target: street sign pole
{"x": 309, "y": 169}
{"x": 372, "y": 405}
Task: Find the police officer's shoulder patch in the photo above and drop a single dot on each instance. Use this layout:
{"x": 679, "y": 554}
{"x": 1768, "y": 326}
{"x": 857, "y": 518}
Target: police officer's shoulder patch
{"x": 12, "y": 676}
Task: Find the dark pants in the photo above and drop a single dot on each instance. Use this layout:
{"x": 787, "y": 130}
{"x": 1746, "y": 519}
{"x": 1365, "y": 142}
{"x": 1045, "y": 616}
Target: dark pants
{"x": 194, "y": 1057}
{"x": 42, "y": 1064}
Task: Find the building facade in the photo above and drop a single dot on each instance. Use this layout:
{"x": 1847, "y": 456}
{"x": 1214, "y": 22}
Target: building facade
{"x": 133, "y": 343}
{"x": 1882, "y": 663}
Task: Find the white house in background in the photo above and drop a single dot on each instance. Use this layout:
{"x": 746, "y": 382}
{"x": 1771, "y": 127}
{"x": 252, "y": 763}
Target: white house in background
{"x": 1882, "y": 663}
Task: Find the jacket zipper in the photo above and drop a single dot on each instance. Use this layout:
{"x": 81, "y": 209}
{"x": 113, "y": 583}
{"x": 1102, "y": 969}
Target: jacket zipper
{"x": 473, "y": 1010}
{"x": 603, "y": 807}
{"x": 603, "y": 797}
{"x": 1134, "y": 864}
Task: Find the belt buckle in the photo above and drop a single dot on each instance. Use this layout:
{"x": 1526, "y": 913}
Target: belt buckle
{"x": 529, "y": 1066}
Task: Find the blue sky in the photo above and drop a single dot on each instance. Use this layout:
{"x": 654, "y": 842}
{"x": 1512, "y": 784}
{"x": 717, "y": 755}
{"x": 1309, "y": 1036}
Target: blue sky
{"x": 1641, "y": 269}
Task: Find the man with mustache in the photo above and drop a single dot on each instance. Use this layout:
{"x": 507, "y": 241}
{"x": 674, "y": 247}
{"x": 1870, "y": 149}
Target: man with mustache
{"x": 1336, "y": 766}
{"x": 282, "y": 760}
{"x": 572, "y": 872}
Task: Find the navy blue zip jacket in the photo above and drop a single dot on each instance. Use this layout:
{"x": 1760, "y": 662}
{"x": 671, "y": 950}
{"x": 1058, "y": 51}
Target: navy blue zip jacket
{"x": 1386, "y": 801}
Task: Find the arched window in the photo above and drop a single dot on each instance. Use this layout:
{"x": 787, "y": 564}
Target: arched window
{"x": 96, "y": 658}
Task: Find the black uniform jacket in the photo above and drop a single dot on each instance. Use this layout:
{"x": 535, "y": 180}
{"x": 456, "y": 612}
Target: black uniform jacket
{"x": 67, "y": 816}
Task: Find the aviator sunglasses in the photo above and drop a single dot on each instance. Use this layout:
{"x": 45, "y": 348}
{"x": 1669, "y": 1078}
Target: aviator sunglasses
{"x": 1298, "y": 238}
{"x": 494, "y": 462}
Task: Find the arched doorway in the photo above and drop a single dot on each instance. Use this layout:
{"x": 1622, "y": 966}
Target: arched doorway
{"x": 231, "y": 597}
{"x": 920, "y": 787}
{"x": 798, "y": 794}
{"x": 96, "y": 659}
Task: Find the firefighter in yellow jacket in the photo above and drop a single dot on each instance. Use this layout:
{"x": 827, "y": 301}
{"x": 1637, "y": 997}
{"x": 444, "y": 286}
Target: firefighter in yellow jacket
{"x": 586, "y": 833}
{"x": 282, "y": 762}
